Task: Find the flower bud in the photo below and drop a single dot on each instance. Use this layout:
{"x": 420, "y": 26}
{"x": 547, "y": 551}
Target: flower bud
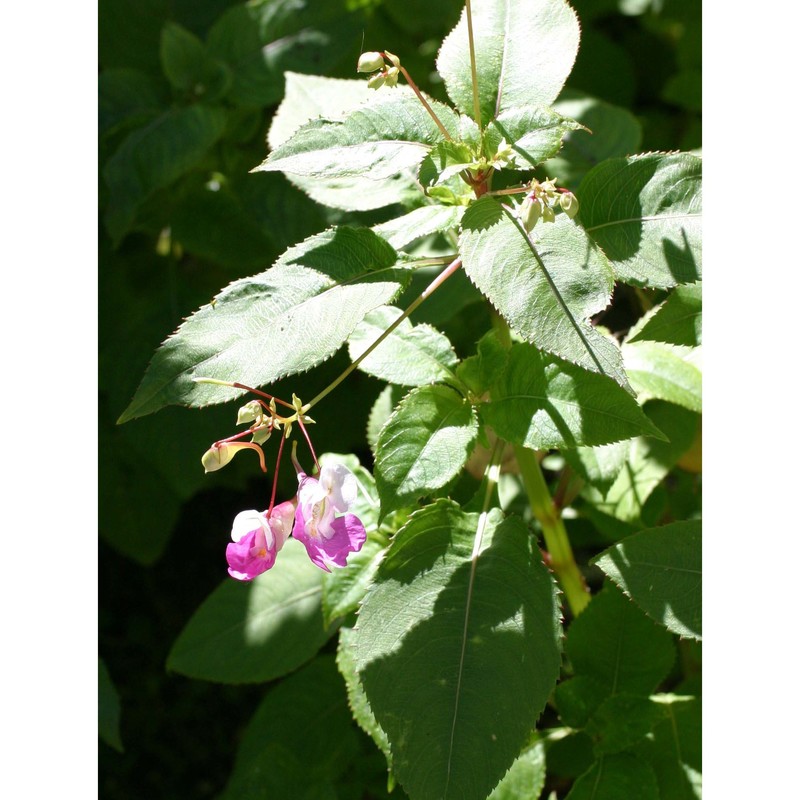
{"x": 369, "y": 62}
{"x": 261, "y": 434}
{"x": 569, "y": 203}
{"x": 221, "y": 453}
{"x": 548, "y": 215}
{"x": 529, "y": 212}
{"x": 249, "y": 412}
{"x": 376, "y": 81}
{"x": 392, "y": 76}
{"x": 392, "y": 57}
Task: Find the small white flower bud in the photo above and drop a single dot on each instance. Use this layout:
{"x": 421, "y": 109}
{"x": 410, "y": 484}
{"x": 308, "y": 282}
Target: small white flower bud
{"x": 376, "y": 81}
{"x": 392, "y": 57}
{"x": 529, "y": 212}
{"x": 548, "y": 215}
{"x": 392, "y": 76}
{"x": 369, "y": 62}
{"x": 249, "y": 412}
{"x": 569, "y": 203}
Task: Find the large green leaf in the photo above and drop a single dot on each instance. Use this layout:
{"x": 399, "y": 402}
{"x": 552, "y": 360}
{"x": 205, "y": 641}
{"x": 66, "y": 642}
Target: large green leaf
{"x": 614, "y": 642}
{"x": 309, "y": 97}
{"x": 661, "y": 569}
{"x": 152, "y": 157}
{"x": 380, "y": 139}
{"x": 546, "y": 284}
{"x": 614, "y": 778}
{"x": 280, "y": 322}
{"x": 457, "y": 648}
{"x": 420, "y": 222}
{"x": 678, "y": 320}
{"x": 524, "y": 51}
{"x": 424, "y": 445}
{"x": 542, "y": 402}
{"x": 301, "y": 736}
{"x": 665, "y": 372}
{"x": 247, "y": 633}
{"x": 645, "y": 212}
{"x": 412, "y": 355}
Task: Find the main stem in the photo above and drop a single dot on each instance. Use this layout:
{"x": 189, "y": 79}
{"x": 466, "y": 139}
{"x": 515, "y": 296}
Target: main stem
{"x": 427, "y": 292}
{"x": 562, "y": 559}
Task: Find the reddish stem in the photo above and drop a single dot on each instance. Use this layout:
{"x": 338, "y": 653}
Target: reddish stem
{"x": 275, "y": 479}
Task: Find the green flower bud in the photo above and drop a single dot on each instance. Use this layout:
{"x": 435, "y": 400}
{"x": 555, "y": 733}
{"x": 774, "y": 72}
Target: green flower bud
{"x": 392, "y": 57}
{"x": 221, "y": 454}
{"x": 548, "y": 215}
{"x": 249, "y": 412}
{"x": 569, "y": 203}
{"x": 376, "y": 81}
{"x": 392, "y": 76}
{"x": 529, "y": 212}
{"x": 260, "y": 435}
{"x": 369, "y": 62}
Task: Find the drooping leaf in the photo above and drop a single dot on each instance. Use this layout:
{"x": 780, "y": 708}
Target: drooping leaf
{"x": 546, "y": 284}
{"x": 152, "y": 157}
{"x": 661, "y": 570}
{"x": 525, "y": 779}
{"x": 379, "y": 140}
{"x": 280, "y": 322}
{"x": 248, "y": 633}
{"x": 542, "y": 402}
{"x": 524, "y": 51}
{"x": 534, "y": 133}
{"x": 310, "y": 97}
{"x": 665, "y": 372}
{"x": 300, "y": 737}
{"x": 645, "y": 212}
{"x": 424, "y": 445}
{"x": 615, "y": 643}
{"x": 678, "y": 320}
{"x": 412, "y": 355}
{"x": 615, "y": 777}
{"x": 108, "y": 708}
{"x": 612, "y": 131}
{"x": 599, "y": 466}
{"x": 457, "y": 648}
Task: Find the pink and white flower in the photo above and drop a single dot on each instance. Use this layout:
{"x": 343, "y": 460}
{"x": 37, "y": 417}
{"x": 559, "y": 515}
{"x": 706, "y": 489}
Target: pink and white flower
{"x": 328, "y": 538}
{"x": 257, "y": 538}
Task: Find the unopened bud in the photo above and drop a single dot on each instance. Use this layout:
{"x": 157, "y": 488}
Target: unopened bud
{"x": 222, "y": 453}
{"x": 249, "y": 412}
{"x": 376, "y": 81}
{"x": 392, "y": 76}
{"x": 549, "y": 186}
{"x": 369, "y": 62}
{"x": 548, "y": 215}
{"x": 260, "y": 435}
{"x": 529, "y": 212}
{"x": 569, "y": 203}
{"x": 392, "y": 57}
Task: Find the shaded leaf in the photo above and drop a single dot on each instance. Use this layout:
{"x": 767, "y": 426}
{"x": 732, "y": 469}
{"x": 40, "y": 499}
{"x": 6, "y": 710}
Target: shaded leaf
{"x": 525, "y": 779}
{"x": 424, "y": 445}
{"x": 541, "y": 402}
{"x": 546, "y": 284}
{"x": 665, "y": 372}
{"x": 678, "y": 320}
{"x": 615, "y": 777}
{"x": 645, "y": 212}
{"x": 127, "y": 97}
{"x": 599, "y": 466}
{"x": 189, "y": 67}
{"x": 578, "y": 698}
{"x": 108, "y": 708}
{"x": 457, "y": 648}
{"x": 257, "y": 631}
{"x": 277, "y": 323}
{"x": 511, "y": 72}
{"x": 623, "y": 720}
{"x": 661, "y": 569}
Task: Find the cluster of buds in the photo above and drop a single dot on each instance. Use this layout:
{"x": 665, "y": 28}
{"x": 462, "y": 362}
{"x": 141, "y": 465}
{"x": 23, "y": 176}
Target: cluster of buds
{"x": 539, "y": 202}
{"x": 374, "y": 62}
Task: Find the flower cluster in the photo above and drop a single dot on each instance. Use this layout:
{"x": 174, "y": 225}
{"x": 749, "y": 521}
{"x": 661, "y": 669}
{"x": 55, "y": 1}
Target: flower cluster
{"x": 373, "y": 61}
{"x": 537, "y": 203}
{"x": 318, "y": 517}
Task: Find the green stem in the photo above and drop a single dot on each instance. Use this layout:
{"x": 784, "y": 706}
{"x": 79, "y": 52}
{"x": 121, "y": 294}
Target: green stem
{"x": 476, "y": 103}
{"x": 425, "y": 103}
{"x": 556, "y": 540}
{"x": 427, "y": 292}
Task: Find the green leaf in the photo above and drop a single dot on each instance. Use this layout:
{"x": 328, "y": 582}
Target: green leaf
{"x": 380, "y": 139}
{"x": 309, "y": 97}
{"x": 645, "y": 212}
{"x": 108, "y": 708}
{"x": 152, "y": 157}
{"x": 126, "y": 98}
{"x": 599, "y": 466}
{"x": 614, "y": 642}
{"x": 412, "y": 355}
{"x": 248, "y": 633}
{"x": 420, "y": 222}
{"x": 546, "y": 284}
{"x": 524, "y": 51}
{"x": 542, "y": 402}
{"x": 301, "y": 736}
{"x": 665, "y": 372}
{"x": 578, "y": 698}
{"x": 457, "y": 648}
{"x": 380, "y": 412}
{"x": 280, "y": 322}
{"x": 615, "y": 777}
{"x": 525, "y": 779}
{"x": 674, "y": 749}
{"x": 649, "y": 462}
{"x": 612, "y": 131}
{"x": 534, "y": 133}
{"x": 445, "y": 161}
{"x": 479, "y": 372}
{"x": 678, "y": 320}
{"x": 424, "y": 445}
{"x": 189, "y": 67}
{"x": 661, "y": 569}
{"x": 623, "y": 720}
